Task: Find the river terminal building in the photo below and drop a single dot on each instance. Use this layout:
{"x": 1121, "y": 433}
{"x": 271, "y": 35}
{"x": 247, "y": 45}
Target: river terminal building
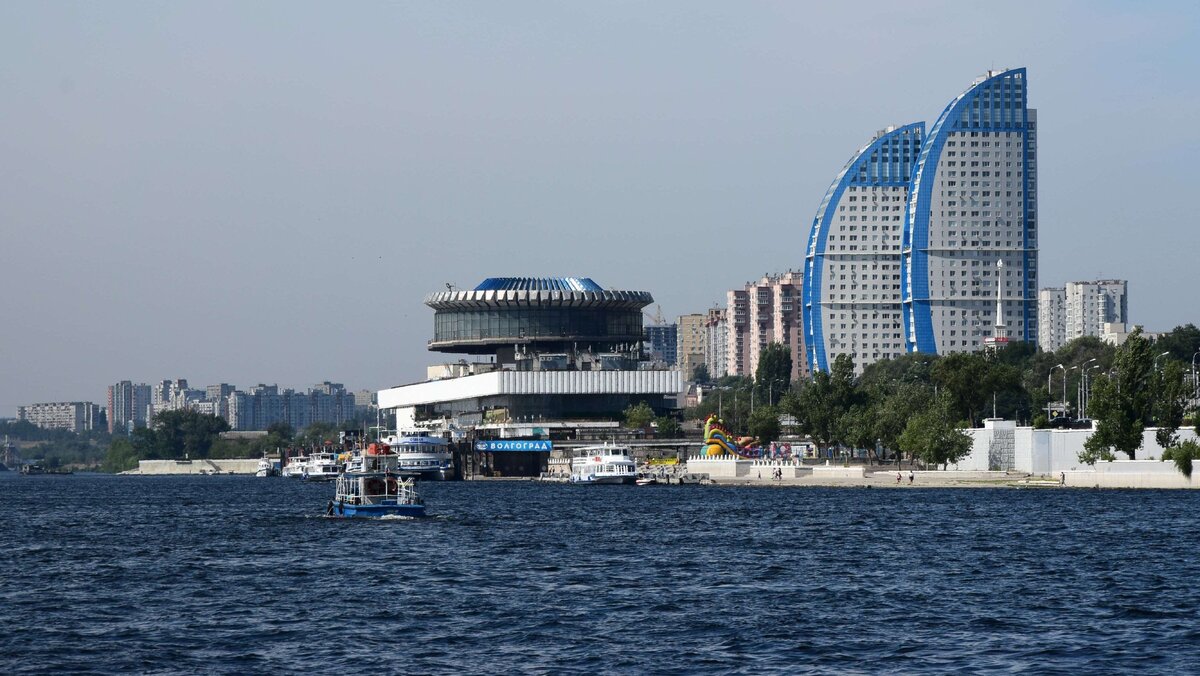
{"x": 535, "y": 350}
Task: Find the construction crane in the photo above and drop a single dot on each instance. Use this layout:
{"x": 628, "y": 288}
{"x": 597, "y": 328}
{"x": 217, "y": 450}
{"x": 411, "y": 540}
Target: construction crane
{"x": 658, "y": 319}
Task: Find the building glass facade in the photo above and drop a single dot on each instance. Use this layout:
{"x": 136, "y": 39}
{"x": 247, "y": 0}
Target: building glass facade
{"x": 509, "y": 324}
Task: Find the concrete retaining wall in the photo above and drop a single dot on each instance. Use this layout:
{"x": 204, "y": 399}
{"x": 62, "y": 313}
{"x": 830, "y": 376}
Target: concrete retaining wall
{"x": 839, "y": 472}
{"x": 719, "y": 467}
{"x": 1131, "y": 474}
{"x": 1042, "y": 452}
{"x": 235, "y": 466}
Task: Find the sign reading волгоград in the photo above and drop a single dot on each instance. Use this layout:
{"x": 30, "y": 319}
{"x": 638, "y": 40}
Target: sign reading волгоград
{"x": 514, "y": 445}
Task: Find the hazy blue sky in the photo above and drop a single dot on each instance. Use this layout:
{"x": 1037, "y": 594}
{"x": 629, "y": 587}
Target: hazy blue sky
{"x": 251, "y": 192}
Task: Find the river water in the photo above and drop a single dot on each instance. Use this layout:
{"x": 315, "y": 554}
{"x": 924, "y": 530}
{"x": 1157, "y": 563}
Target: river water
{"x": 243, "y": 575}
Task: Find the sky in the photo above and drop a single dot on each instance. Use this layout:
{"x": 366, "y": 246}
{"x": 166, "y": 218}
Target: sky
{"x": 265, "y": 192}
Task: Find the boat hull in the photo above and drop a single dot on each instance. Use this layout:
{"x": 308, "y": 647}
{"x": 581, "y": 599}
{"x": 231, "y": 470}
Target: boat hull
{"x": 349, "y": 511}
{"x": 592, "y": 479}
{"x": 425, "y": 473}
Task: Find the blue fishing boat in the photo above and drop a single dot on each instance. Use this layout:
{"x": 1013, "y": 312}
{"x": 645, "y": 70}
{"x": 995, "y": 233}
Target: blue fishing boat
{"x": 375, "y": 490}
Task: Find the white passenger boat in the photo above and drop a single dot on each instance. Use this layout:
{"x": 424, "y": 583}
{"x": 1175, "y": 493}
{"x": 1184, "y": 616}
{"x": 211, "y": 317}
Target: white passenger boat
{"x": 322, "y": 466}
{"x": 422, "y": 453}
{"x": 605, "y": 464}
{"x": 295, "y": 467}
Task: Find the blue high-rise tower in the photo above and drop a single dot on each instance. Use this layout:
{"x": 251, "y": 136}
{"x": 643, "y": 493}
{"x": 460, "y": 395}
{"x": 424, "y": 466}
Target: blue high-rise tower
{"x": 972, "y": 203}
{"x": 852, "y": 289}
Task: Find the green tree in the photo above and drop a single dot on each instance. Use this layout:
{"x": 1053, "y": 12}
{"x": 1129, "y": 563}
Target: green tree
{"x": 969, "y": 381}
{"x": 316, "y": 434}
{"x": 121, "y": 456}
{"x": 1183, "y": 455}
{"x": 282, "y": 431}
{"x": 639, "y": 415}
{"x": 896, "y": 409}
{"x": 933, "y": 437}
{"x": 856, "y": 428}
{"x": 1121, "y": 404}
{"x": 700, "y": 374}
{"x": 1182, "y": 342}
{"x": 666, "y": 427}
{"x": 184, "y": 433}
{"x": 764, "y": 424}
{"x": 907, "y": 368}
{"x": 1170, "y": 401}
{"x": 774, "y": 373}
{"x": 820, "y": 405}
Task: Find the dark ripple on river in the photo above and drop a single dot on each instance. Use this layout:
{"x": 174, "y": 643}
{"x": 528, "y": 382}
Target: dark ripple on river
{"x": 237, "y": 575}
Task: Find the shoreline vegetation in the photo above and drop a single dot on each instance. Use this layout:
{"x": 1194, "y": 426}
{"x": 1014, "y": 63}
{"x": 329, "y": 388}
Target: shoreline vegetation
{"x": 914, "y": 407}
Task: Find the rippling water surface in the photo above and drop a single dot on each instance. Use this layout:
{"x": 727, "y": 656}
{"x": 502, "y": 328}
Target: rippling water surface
{"x": 235, "y": 575}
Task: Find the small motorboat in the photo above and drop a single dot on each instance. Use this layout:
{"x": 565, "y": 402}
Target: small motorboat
{"x": 266, "y": 467}
{"x": 376, "y": 490}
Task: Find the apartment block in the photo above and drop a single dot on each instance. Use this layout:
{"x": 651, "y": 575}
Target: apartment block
{"x": 662, "y": 342}
{"x": 75, "y": 416}
{"x": 764, "y": 312}
{"x": 1091, "y": 305}
{"x": 127, "y": 405}
{"x": 716, "y": 342}
{"x": 691, "y": 343}
{"x": 1052, "y": 318}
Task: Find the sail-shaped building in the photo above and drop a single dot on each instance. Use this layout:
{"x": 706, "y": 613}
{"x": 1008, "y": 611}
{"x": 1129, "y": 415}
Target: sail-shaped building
{"x": 972, "y": 204}
{"x": 904, "y": 251}
{"x": 852, "y": 295}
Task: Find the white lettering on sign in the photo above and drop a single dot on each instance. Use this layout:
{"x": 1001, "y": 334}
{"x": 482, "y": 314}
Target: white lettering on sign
{"x": 514, "y": 445}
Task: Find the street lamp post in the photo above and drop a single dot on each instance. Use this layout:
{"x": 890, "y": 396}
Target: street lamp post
{"x": 1195, "y": 385}
{"x": 1083, "y": 368}
{"x": 771, "y": 390}
{"x": 1065, "y": 401}
{"x": 1087, "y": 389}
{"x": 1049, "y": 393}
{"x": 1160, "y": 357}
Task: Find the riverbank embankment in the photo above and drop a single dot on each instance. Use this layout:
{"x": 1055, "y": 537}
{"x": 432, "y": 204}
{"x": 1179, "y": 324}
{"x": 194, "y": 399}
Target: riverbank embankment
{"x": 205, "y": 466}
{"x": 1150, "y": 474}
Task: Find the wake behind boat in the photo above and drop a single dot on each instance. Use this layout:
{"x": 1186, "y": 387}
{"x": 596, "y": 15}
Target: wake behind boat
{"x": 605, "y": 464}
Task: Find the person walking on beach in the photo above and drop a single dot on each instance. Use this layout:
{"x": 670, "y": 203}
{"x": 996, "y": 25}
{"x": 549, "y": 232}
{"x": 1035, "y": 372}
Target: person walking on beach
{"x": 911, "y": 476}
{"x": 899, "y": 477}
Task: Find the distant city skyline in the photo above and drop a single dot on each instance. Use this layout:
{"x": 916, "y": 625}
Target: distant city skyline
{"x": 266, "y": 193}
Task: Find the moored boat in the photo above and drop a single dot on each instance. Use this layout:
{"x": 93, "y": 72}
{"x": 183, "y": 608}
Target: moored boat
{"x": 266, "y": 467}
{"x": 322, "y": 466}
{"x": 607, "y": 464}
{"x": 421, "y": 453}
{"x": 295, "y": 466}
